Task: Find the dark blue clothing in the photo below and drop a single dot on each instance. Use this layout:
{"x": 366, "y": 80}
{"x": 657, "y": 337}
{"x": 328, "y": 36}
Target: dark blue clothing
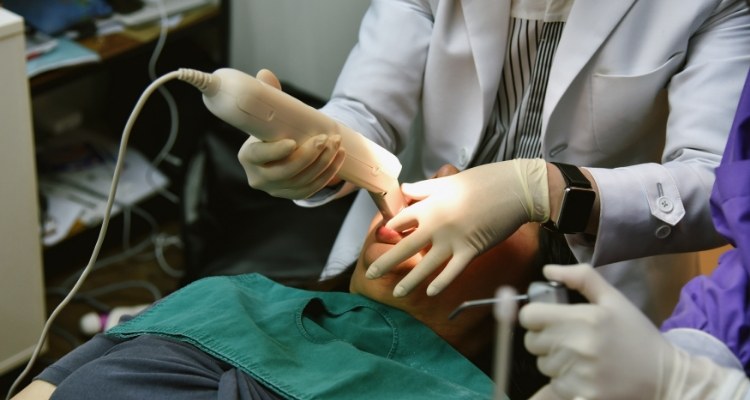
{"x": 148, "y": 367}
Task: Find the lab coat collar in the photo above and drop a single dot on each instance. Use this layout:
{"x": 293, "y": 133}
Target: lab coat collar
{"x": 590, "y": 22}
{"x": 487, "y": 39}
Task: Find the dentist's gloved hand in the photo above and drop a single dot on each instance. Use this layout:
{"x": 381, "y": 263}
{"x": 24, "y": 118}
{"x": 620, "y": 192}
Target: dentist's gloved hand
{"x": 609, "y": 350}
{"x": 289, "y": 169}
{"x": 461, "y": 216}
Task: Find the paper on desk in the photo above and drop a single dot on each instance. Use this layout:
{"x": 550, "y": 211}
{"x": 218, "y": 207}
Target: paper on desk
{"x": 65, "y": 208}
{"x": 67, "y": 53}
{"x": 38, "y": 43}
{"x": 76, "y": 177}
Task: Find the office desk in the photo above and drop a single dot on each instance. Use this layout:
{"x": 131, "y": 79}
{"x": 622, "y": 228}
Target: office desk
{"x": 133, "y": 41}
{"x": 102, "y": 106}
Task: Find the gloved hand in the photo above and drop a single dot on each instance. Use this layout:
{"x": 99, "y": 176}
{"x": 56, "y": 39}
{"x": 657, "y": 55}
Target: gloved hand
{"x": 461, "y": 216}
{"x": 546, "y": 393}
{"x": 609, "y": 350}
{"x": 285, "y": 168}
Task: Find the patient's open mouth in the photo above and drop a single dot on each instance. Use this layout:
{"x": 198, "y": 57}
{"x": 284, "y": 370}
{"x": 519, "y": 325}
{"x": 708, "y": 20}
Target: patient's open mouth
{"x": 386, "y": 235}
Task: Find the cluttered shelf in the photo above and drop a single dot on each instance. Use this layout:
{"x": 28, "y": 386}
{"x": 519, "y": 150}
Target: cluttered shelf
{"x": 78, "y": 112}
{"x": 62, "y": 58}
{"x": 76, "y": 142}
{"x": 109, "y": 46}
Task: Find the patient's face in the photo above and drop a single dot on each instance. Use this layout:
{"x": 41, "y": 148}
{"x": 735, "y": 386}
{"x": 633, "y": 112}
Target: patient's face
{"x": 508, "y": 263}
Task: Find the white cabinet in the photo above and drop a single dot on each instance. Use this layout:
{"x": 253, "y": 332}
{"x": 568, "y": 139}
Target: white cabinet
{"x": 22, "y": 311}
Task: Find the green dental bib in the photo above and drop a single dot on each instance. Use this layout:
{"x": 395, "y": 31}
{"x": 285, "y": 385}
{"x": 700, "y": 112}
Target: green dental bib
{"x": 306, "y": 345}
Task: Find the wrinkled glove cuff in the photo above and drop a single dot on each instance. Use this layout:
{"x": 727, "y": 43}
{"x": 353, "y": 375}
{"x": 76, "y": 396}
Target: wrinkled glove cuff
{"x": 532, "y": 176}
{"x": 696, "y": 377}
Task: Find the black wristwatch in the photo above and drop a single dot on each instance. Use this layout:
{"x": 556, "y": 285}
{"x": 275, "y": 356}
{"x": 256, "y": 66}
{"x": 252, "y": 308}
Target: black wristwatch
{"x": 577, "y": 202}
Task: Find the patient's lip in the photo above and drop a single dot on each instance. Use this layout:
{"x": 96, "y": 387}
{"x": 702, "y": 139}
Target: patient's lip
{"x": 386, "y": 235}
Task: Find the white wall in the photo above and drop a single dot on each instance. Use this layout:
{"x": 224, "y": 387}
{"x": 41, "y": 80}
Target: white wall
{"x": 305, "y": 42}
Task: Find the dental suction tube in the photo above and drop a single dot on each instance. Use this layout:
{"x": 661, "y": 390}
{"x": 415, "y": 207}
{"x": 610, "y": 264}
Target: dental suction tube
{"x": 269, "y": 114}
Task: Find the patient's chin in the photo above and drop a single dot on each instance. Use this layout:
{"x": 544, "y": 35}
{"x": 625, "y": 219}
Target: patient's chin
{"x": 380, "y": 289}
{"x": 376, "y": 249}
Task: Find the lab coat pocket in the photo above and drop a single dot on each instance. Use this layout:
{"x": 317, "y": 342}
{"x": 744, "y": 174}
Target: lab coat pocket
{"x": 627, "y": 109}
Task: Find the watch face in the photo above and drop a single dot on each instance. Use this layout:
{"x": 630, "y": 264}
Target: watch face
{"x": 576, "y": 209}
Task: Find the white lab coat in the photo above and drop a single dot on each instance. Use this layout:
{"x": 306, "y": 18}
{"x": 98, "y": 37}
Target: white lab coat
{"x": 605, "y": 109}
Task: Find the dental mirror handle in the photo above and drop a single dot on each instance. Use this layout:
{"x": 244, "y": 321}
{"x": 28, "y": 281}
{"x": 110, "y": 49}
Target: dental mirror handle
{"x": 505, "y": 313}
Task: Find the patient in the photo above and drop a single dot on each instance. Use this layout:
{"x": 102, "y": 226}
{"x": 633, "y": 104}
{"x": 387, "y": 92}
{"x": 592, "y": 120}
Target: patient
{"x": 246, "y": 337}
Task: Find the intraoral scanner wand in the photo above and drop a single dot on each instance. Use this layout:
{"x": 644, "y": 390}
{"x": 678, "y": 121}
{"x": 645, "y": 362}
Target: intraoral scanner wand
{"x": 269, "y": 114}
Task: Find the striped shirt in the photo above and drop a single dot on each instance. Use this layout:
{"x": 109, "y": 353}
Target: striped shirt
{"x": 515, "y": 125}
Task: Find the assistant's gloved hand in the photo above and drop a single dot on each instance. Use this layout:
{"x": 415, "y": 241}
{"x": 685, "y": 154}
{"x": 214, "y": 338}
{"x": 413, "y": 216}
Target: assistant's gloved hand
{"x": 609, "y": 350}
{"x": 289, "y": 169}
{"x": 462, "y": 215}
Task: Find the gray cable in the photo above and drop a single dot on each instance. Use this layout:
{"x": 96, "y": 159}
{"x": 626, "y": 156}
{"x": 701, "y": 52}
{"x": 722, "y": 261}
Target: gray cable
{"x": 102, "y": 231}
{"x": 174, "y": 117}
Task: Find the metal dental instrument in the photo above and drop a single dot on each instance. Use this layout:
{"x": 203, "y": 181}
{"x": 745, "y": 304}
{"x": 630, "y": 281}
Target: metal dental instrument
{"x": 485, "y": 302}
{"x": 547, "y": 292}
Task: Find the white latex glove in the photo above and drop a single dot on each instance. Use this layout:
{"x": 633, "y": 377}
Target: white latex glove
{"x": 546, "y": 393}
{"x": 461, "y": 216}
{"x": 284, "y": 169}
{"x": 609, "y": 350}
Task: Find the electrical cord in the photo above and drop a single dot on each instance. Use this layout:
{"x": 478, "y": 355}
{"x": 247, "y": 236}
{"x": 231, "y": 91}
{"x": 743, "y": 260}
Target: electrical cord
{"x": 105, "y": 223}
{"x": 159, "y": 240}
{"x": 160, "y": 243}
{"x": 148, "y": 286}
{"x": 122, "y": 256}
{"x": 66, "y": 335}
{"x": 198, "y": 79}
{"x": 90, "y": 295}
{"x": 201, "y": 81}
{"x": 174, "y": 116}
{"x": 90, "y": 301}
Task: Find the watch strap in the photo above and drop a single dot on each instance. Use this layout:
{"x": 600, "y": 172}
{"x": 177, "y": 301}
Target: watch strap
{"x": 572, "y": 175}
{"x": 577, "y": 201}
